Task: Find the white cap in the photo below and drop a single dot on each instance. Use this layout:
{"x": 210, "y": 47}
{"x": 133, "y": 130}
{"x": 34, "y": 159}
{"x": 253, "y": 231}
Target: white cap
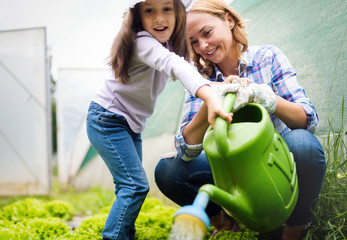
{"x": 188, "y": 4}
{"x": 132, "y": 3}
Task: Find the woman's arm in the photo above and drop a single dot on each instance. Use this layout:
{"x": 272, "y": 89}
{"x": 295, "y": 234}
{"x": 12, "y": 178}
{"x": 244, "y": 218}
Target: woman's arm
{"x": 195, "y": 130}
{"x": 292, "y": 114}
{"x": 191, "y": 108}
{"x": 294, "y": 108}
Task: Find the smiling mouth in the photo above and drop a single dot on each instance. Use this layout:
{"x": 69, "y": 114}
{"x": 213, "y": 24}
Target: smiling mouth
{"x": 160, "y": 29}
{"x": 211, "y": 52}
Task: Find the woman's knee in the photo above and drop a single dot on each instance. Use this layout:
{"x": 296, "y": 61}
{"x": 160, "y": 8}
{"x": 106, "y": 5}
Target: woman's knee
{"x": 304, "y": 146}
{"x": 308, "y": 154}
{"x": 158, "y": 172}
{"x": 162, "y": 172}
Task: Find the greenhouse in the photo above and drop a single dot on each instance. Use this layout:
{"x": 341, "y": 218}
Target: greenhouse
{"x": 53, "y": 183}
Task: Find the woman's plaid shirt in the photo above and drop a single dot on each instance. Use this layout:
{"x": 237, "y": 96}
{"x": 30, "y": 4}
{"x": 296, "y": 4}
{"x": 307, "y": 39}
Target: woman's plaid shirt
{"x": 261, "y": 64}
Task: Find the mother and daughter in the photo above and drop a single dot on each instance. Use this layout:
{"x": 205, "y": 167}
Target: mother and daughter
{"x": 152, "y": 45}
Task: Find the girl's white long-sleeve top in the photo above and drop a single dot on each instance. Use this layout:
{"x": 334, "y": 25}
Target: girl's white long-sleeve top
{"x": 150, "y": 67}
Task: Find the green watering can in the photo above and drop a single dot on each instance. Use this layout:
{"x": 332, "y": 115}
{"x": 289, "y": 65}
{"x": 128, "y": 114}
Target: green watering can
{"x": 253, "y": 170}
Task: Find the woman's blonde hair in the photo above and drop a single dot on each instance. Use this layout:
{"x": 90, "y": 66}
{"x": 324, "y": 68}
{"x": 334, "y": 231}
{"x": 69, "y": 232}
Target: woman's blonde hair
{"x": 219, "y": 8}
{"x": 122, "y": 47}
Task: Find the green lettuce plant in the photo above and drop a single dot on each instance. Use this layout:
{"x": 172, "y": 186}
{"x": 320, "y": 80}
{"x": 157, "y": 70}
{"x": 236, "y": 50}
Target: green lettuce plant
{"x": 28, "y": 208}
{"x": 35, "y": 229}
{"x": 60, "y": 209}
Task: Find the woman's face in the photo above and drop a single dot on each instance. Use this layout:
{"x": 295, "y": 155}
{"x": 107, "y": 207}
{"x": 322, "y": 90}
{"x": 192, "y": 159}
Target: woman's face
{"x": 158, "y": 18}
{"x": 210, "y": 36}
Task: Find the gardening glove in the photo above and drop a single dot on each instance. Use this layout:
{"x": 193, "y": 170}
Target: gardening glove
{"x": 238, "y": 86}
{"x": 223, "y": 88}
{"x": 263, "y": 95}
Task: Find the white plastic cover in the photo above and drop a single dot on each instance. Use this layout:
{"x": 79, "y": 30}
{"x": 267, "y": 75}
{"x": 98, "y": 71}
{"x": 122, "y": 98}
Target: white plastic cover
{"x": 25, "y": 125}
{"x": 75, "y": 88}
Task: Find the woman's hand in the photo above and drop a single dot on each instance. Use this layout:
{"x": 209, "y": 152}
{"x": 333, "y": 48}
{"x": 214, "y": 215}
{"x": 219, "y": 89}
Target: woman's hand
{"x": 263, "y": 95}
{"x": 230, "y": 85}
{"x": 235, "y": 78}
{"x": 233, "y": 84}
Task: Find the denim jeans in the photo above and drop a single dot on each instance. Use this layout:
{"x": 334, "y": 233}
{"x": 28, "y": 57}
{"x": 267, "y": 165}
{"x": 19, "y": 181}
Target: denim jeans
{"x": 180, "y": 180}
{"x": 121, "y": 150}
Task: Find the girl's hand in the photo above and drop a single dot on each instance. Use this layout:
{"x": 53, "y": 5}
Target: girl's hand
{"x": 214, "y": 105}
{"x": 215, "y": 109}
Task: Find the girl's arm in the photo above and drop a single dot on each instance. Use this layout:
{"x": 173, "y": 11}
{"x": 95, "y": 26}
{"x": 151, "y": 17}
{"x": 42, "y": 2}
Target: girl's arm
{"x": 195, "y": 130}
{"x": 149, "y": 51}
{"x": 213, "y": 104}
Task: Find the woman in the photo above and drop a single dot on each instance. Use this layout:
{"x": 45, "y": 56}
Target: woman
{"x": 221, "y": 53}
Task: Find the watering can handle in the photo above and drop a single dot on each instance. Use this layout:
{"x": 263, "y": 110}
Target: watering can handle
{"x": 221, "y": 125}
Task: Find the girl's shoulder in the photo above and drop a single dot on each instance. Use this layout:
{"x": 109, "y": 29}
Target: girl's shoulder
{"x": 145, "y": 37}
{"x": 143, "y": 34}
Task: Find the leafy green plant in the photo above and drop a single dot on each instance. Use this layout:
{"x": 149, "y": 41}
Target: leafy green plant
{"x": 49, "y": 228}
{"x": 60, "y": 209}
{"x": 36, "y": 208}
{"x": 154, "y": 212}
{"x": 154, "y": 220}
{"x": 28, "y": 208}
{"x": 90, "y": 228}
{"x": 16, "y": 231}
{"x": 35, "y": 229}
{"x": 329, "y": 217}
{"x": 244, "y": 234}
{"x": 88, "y": 202}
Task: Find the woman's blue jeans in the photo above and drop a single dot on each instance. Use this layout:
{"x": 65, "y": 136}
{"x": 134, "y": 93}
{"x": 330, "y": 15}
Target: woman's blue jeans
{"x": 121, "y": 150}
{"x": 180, "y": 180}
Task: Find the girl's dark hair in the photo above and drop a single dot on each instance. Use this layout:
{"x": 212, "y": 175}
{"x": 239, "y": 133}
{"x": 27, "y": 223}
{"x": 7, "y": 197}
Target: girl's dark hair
{"x": 122, "y": 47}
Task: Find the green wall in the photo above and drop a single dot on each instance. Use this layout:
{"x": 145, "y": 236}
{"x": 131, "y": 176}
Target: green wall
{"x": 167, "y": 113}
{"x": 313, "y": 36}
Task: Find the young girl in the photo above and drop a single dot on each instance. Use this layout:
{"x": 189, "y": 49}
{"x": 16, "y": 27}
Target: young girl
{"x": 150, "y": 47}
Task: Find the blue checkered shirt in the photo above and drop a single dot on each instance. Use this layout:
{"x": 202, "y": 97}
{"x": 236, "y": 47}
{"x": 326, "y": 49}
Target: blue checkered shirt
{"x": 263, "y": 64}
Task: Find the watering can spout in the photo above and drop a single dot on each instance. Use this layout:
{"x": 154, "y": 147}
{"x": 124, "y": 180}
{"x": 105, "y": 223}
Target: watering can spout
{"x": 232, "y": 203}
{"x": 196, "y": 210}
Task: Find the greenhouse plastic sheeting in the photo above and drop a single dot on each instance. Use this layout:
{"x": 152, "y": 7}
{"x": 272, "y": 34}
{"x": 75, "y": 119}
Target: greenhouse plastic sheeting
{"x": 25, "y": 130}
{"x": 75, "y": 88}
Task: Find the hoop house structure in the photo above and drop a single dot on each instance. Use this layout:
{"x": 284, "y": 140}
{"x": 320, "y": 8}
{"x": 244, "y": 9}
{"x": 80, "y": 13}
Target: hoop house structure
{"x": 25, "y": 123}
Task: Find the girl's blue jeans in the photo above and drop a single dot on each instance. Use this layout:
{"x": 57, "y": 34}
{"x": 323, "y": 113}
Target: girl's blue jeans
{"x": 121, "y": 150}
{"x": 180, "y": 180}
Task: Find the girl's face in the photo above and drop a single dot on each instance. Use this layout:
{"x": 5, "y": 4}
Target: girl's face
{"x": 158, "y": 18}
{"x": 210, "y": 36}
